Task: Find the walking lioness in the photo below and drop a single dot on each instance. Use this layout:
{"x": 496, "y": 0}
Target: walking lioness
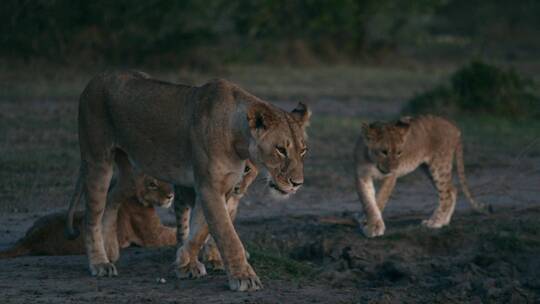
{"x": 194, "y": 137}
{"x": 388, "y": 150}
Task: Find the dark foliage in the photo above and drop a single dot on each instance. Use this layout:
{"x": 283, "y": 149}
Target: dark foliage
{"x": 480, "y": 88}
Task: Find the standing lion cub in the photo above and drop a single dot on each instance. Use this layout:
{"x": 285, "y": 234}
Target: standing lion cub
{"x": 388, "y": 150}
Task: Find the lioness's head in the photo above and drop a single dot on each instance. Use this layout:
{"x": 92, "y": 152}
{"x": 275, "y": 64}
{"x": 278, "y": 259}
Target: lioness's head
{"x": 153, "y": 192}
{"x": 279, "y": 144}
{"x": 385, "y": 142}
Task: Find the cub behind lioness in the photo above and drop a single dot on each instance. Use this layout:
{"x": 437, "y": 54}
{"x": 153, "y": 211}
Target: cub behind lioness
{"x": 388, "y": 150}
{"x": 137, "y": 223}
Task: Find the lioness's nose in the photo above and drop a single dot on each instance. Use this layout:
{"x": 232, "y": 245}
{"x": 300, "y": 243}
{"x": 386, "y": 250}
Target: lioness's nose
{"x": 296, "y": 183}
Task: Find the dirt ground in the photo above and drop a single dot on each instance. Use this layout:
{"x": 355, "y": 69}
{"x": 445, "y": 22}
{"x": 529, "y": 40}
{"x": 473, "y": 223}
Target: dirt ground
{"x": 306, "y": 249}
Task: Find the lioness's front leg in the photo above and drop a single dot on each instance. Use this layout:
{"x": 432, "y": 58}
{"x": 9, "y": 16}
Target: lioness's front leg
{"x": 240, "y": 273}
{"x": 373, "y": 225}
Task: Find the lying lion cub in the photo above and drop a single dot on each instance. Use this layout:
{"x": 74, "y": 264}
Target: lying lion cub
{"x": 388, "y": 150}
{"x": 137, "y": 224}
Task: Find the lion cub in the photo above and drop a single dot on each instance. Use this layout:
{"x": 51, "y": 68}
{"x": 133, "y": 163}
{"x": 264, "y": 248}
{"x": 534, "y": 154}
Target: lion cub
{"x": 388, "y": 150}
{"x": 137, "y": 223}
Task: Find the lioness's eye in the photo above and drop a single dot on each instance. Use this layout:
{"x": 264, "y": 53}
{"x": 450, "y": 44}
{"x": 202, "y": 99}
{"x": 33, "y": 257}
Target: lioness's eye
{"x": 152, "y": 185}
{"x": 384, "y": 152}
{"x": 282, "y": 151}
{"x": 399, "y": 153}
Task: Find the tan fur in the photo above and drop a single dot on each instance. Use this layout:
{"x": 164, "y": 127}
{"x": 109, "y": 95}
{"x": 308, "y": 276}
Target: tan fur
{"x": 211, "y": 254}
{"x": 138, "y": 224}
{"x": 388, "y": 150}
{"x": 197, "y": 138}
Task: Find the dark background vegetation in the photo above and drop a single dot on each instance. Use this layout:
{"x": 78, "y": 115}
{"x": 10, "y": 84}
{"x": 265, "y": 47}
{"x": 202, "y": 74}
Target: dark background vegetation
{"x": 163, "y": 32}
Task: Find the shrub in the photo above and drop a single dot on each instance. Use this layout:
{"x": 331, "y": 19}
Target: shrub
{"x": 480, "y": 88}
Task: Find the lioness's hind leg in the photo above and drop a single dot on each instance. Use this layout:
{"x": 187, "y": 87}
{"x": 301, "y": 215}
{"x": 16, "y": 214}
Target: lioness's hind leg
{"x": 110, "y": 224}
{"x": 441, "y": 174}
{"x": 97, "y": 184}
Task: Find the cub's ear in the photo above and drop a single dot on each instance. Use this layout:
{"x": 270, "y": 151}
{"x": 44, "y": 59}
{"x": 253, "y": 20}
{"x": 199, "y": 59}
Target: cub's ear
{"x": 403, "y": 125}
{"x": 302, "y": 114}
{"x": 367, "y": 134}
{"x": 404, "y": 121}
{"x": 260, "y": 119}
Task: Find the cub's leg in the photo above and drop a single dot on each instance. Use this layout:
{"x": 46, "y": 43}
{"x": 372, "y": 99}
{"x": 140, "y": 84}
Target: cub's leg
{"x": 184, "y": 201}
{"x": 385, "y": 191}
{"x": 211, "y": 252}
{"x": 187, "y": 261}
{"x": 166, "y": 236}
{"x": 372, "y": 225}
{"x": 97, "y": 183}
{"x": 441, "y": 174}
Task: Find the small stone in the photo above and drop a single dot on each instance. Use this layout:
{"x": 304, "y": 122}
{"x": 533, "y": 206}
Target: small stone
{"x": 161, "y": 280}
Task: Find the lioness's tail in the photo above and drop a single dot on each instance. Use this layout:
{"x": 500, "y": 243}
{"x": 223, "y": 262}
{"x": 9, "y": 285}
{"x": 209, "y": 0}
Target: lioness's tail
{"x": 477, "y": 206}
{"x": 17, "y": 250}
{"x": 70, "y": 231}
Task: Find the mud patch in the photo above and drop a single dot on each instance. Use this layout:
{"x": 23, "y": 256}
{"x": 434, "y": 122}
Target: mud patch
{"x": 477, "y": 258}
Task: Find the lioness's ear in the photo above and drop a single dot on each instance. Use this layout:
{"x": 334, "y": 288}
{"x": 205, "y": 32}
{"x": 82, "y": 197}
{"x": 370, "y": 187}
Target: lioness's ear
{"x": 302, "y": 114}
{"x": 260, "y": 119}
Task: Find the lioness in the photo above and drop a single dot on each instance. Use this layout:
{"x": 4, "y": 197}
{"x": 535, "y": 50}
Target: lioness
{"x": 388, "y": 150}
{"x": 194, "y": 137}
{"x": 138, "y": 224}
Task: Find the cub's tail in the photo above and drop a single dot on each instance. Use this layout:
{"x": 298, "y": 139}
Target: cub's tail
{"x": 71, "y": 232}
{"x": 15, "y": 251}
{"x": 477, "y": 206}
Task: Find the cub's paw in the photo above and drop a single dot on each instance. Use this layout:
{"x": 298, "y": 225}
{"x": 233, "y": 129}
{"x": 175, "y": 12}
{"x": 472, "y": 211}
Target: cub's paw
{"x": 211, "y": 256}
{"x": 113, "y": 251}
{"x": 245, "y": 280}
{"x": 373, "y": 228}
{"x": 433, "y": 223}
{"x": 103, "y": 269}
{"x": 188, "y": 267}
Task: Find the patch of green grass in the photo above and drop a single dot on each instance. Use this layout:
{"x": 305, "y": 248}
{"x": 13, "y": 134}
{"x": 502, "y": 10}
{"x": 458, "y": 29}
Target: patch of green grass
{"x": 273, "y": 265}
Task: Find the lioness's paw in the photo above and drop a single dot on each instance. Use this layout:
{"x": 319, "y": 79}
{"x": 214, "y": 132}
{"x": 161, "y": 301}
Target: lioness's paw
{"x": 246, "y": 281}
{"x": 103, "y": 269}
{"x": 373, "y": 228}
{"x": 433, "y": 223}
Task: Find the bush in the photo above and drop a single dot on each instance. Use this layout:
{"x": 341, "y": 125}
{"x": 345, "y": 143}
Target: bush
{"x": 480, "y": 88}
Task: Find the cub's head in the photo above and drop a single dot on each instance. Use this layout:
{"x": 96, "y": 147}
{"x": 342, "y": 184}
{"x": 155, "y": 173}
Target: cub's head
{"x": 385, "y": 141}
{"x": 153, "y": 192}
{"x": 250, "y": 173}
{"x": 279, "y": 144}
